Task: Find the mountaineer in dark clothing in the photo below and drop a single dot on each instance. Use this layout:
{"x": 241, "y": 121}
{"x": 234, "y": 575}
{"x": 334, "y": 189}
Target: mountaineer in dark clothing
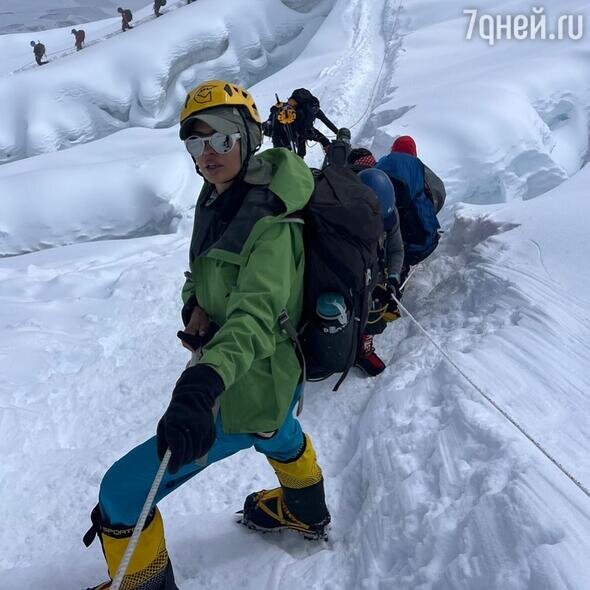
{"x": 39, "y": 52}
{"x": 291, "y": 124}
{"x": 157, "y": 5}
{"x": 79, "y": 36}
{"x": 126, "y": 18}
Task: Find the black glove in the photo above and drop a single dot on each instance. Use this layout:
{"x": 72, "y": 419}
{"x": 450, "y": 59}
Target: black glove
{"x": 392, "y": 311}
{"x": 187, "y": 309}
{"x": 187, "y": 427}
{"x": 394, "y": 286}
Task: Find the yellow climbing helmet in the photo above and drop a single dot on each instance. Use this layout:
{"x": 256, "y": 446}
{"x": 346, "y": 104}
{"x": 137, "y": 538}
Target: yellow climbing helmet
{"x": 218, "y": 93}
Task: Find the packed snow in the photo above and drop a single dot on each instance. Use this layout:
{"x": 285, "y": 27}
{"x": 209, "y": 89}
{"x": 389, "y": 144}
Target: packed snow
{"x": 429, "y": 486}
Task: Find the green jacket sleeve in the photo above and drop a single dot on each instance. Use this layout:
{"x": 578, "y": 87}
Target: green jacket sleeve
{"x": 262, "y": 290}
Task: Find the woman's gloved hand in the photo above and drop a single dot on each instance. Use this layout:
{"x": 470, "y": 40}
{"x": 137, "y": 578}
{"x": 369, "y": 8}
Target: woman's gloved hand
{"x": 393, "y": 288}
{"x": 187, "y": 427}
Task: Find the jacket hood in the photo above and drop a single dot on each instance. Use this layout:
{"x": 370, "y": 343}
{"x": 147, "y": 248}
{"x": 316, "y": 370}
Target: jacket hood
{"x": 286, "y": 175}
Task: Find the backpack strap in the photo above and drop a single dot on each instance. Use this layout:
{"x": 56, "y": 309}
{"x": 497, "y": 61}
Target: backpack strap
{"x": 288, "y": 327}
{"x": 359, "y": 317}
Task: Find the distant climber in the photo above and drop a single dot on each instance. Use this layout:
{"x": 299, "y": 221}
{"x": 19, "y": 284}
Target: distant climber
{"x": 420, "y": 195}
{"x": 433, "y": 185}
{"x": 157, "y": 5}
{"x": 39, "y": 52}
{"x": 79, "y": 36}
{"x": 291, "y": 124}
{"x": 279, "y": 125}
{"x": 126, "y": 18}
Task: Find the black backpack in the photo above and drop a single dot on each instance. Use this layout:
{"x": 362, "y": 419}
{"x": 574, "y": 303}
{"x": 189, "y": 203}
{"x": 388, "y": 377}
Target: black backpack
{"x": 307, "y": 108}
{"x": 342, "y": 229}
{"x": 39, "y": 50}
{"x": 305, "y": 98}
{"x": 128, "y": 15}
{"x": 336, "y": 153}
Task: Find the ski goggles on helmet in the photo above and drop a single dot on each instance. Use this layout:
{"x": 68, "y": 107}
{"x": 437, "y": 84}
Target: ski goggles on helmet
{"x": 222, "y": 143}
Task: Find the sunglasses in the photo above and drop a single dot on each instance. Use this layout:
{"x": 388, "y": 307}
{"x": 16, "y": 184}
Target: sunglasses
{"x": 219, "y": 142}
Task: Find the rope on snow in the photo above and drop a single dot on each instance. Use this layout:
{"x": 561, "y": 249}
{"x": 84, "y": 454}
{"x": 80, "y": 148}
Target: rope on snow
{"x": 489, "y": 399}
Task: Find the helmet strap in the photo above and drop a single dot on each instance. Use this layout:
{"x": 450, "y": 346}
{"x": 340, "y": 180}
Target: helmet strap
{"x": 240, "y": 175}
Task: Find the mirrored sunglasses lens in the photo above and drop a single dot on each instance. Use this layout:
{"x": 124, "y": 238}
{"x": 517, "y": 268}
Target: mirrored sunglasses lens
{"x": 222, "y": 143}
{"x": 195, "y": 146}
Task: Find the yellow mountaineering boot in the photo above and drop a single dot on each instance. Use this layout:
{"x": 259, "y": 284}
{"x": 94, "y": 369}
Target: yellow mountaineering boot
{"x": 149, "y": 568}
{"x": 299, "y": 504}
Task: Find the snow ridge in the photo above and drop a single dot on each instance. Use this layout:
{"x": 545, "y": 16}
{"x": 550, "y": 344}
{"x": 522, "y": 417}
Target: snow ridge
{"x": 133, "y": 84}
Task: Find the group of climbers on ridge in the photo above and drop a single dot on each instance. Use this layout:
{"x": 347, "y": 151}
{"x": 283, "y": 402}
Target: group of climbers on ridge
{"x": 39, "y": 50}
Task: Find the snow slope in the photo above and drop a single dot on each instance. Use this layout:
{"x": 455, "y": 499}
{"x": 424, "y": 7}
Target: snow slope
{"x": 136, "y": 182}
{"x": 519, "y": 109}
{"x": 140, "y": 78}
{"x": 429, "y": 486}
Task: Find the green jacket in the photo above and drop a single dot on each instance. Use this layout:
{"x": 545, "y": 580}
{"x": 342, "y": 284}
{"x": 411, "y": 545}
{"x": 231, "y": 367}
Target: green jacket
{"x": 243, "y": 281}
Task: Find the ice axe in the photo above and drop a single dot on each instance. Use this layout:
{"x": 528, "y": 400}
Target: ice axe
{"x": 147, "y": 506}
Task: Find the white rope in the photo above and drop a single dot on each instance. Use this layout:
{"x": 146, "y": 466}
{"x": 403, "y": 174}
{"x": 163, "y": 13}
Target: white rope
{"x": 412, "y": 271}
{"x": 372, "y": 98}
{"x": 492, "y": 402}
{"x": 141, "y": 522}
